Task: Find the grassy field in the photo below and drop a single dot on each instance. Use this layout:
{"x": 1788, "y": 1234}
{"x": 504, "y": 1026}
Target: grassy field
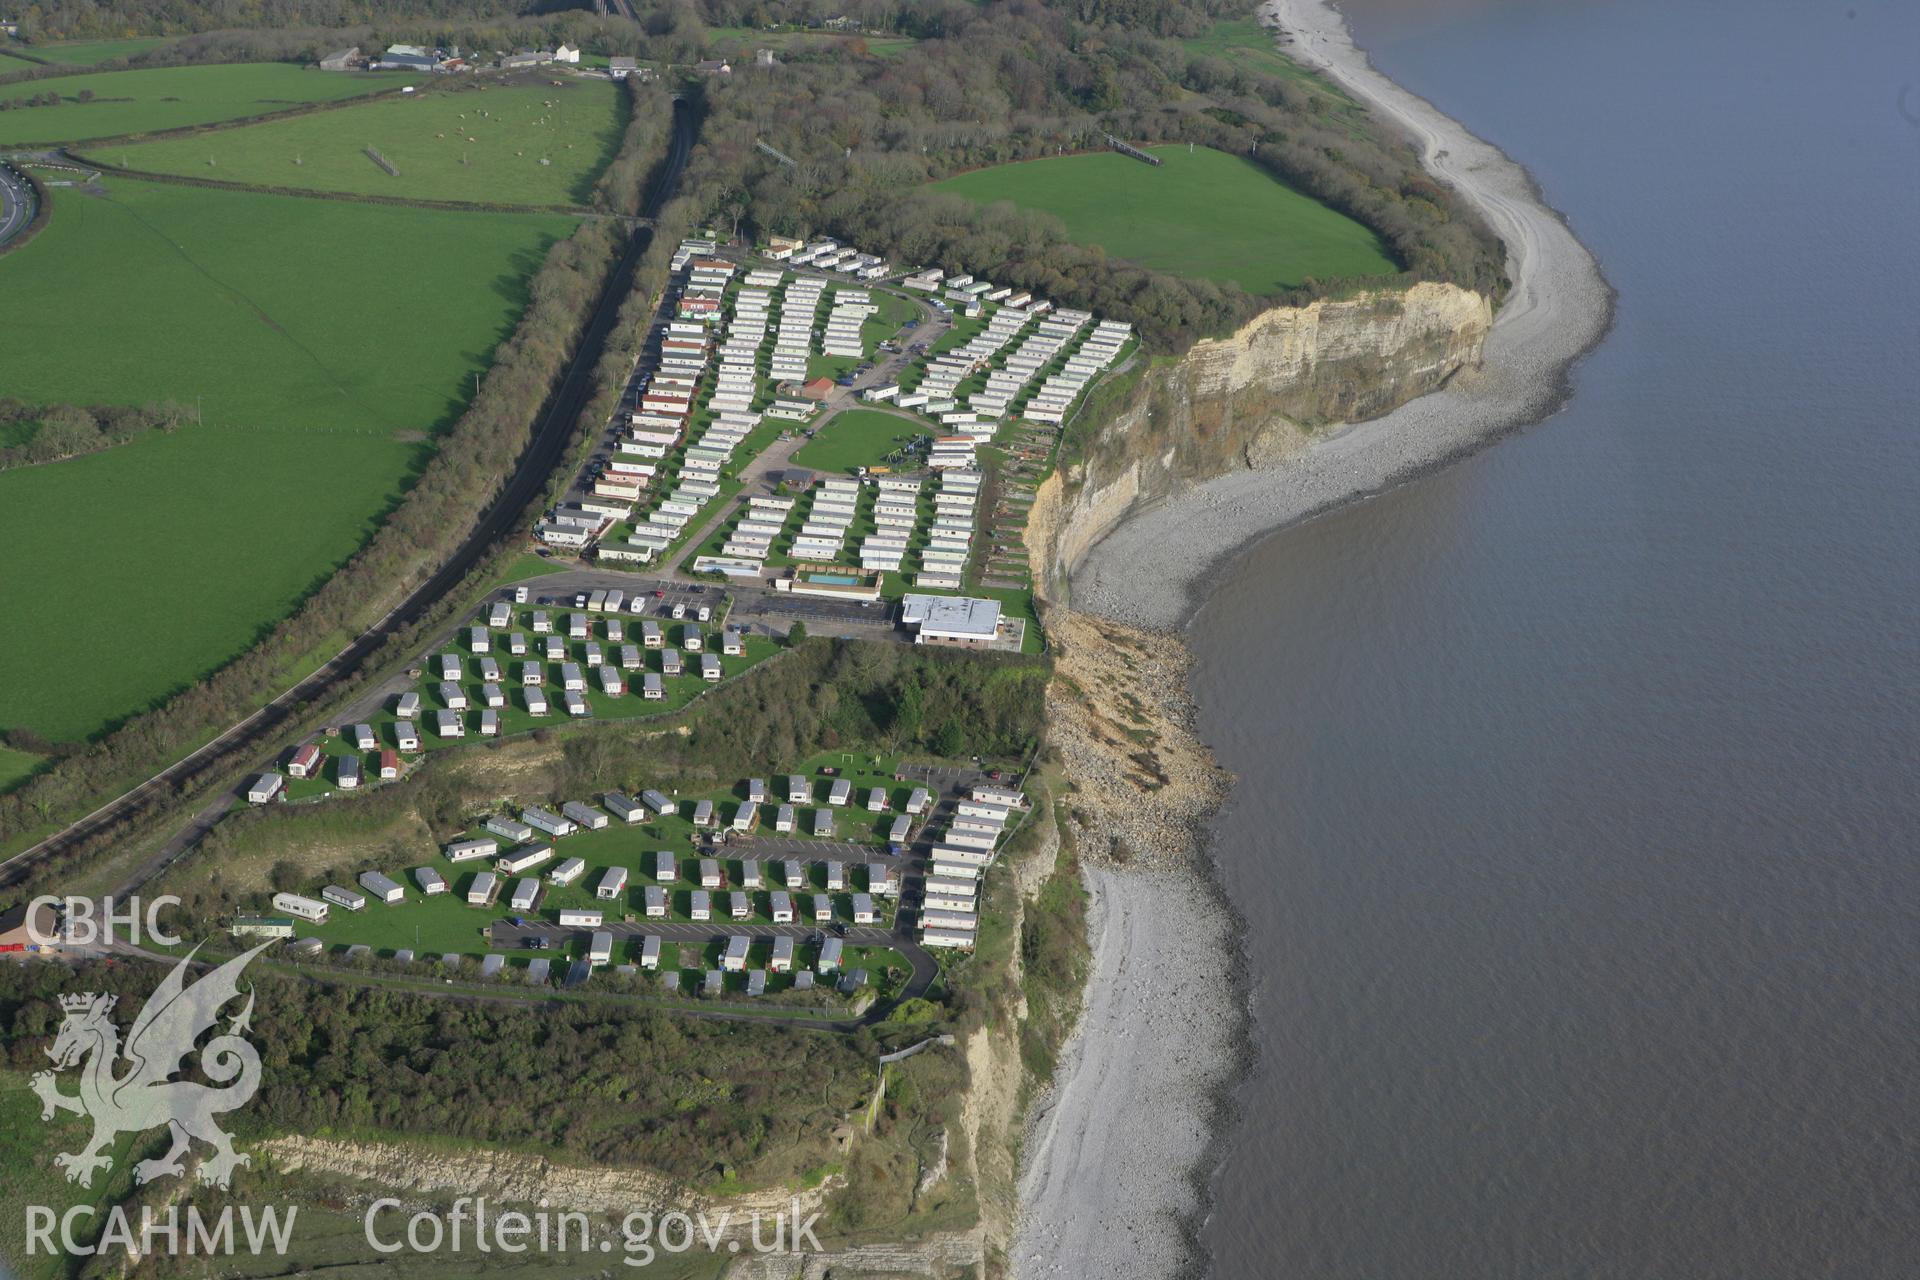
{"x": 857, "y": 438}
{"x": 172, "y": 97}
{"x": 157, "y": 561}
{"x": 1247, "y": 44}
{"x": 521, "y": 144}
{"x": 1207, "y": 215}
{"x": 16, "y": 766}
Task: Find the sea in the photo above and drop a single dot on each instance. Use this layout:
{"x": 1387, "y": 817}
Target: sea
{"x": 1576, "y": 837}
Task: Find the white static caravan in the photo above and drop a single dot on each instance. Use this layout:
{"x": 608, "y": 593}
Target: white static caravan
{"x": 484, "y": 889}
{"x": 293, "y": 904}
{"x": 822, "y": 908}
{"x": 862, "y": 908}
{"x": 794, "y": 873}
{"x": 581, "y": 917}
{"x": 612, "y": 883}
{"x": 750, "y": 876}
{"x": 625, "y": 808}
{"x": 836, "y": 875}
{"x": 569, "y": 871}
{"x": 877, "y": 800}
{"x": 526, "y": 858}
{"x": 543, "y": 820}
{"x": 650, "y": 952}
{"x": 264, "y": 788}
{"x": 736, "y": 955}
{"x": 526, "y": 893}
{"x": 664, "y": 868}
{"x": 823, "y": 823}
{"x": 840, "y": 792}
{"x": 588, "y": 817}
{"x": 782, "y": 906}
{"x": 340, "y": 896}
{"x": 709, "y": 873}
{"x": 700, "y": 905}
{"x": 881, "y": 882}
{"x": 783, "y": 819}
{"x": 656, "y": 901}
{"x": 739, "y": 905}
{"x": 917, "y": 801}
{"x": 381, "y": 888}
{"x": 799, "y": 790}
{"x": 782, "y": 960}
{"x": 431, "y": 882}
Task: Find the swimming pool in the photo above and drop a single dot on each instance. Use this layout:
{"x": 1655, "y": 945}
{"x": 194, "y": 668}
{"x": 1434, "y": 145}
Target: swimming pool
{"x": 834, "y": 579}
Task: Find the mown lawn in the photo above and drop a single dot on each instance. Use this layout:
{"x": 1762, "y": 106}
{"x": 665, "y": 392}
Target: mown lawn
{"x": 321, "y": 386}
{"x": 1204, "y": 214}
{"x": 857, "y": 438}
{"x": 172, "y": 97}
{"x": 519, "y": 144}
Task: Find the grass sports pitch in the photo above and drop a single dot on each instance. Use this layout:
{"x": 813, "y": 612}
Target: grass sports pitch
{"x": 857, "y": 438}
{"x": 320, "y": 381}
{"x": 172, "y": 97}
{"x": 520, "y": 144}
{"x": 1205, "y": 215}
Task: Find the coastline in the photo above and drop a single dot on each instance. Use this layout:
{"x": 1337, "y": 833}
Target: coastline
{"x": 1144, "y": 1091}
{"x": 1151, "y": 569}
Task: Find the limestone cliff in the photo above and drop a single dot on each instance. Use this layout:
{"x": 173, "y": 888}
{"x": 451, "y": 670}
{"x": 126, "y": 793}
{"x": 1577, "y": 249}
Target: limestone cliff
{"x": 1248, "y": 400}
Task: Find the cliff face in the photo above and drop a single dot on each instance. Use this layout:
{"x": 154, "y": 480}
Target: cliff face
{"x": 1250, "y": 400}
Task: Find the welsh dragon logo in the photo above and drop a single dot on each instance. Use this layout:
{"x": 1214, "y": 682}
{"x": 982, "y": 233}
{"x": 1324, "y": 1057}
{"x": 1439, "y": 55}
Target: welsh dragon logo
{"x": 144, "y": 1096}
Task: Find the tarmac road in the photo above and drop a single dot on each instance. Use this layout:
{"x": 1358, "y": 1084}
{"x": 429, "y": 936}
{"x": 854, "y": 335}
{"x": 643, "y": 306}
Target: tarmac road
{"x": 20, "y": 202}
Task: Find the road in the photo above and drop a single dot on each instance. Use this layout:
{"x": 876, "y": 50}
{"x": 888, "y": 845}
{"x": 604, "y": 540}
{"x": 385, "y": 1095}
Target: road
{"x": 18, "y": 203}
{"x": 243, "y": 743}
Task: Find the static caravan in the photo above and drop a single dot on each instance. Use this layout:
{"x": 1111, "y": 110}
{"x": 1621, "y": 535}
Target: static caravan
{"x": 551, "y": 823}
{"x": 509, "y": 828}
{"x": 363, "y": 737}
{"x": 782, "y": 905}
{"x": 756, "y": 791}
{"x": 709, "y": 873}
{"x": 830, "y": 955}
{"x": 783, "y": 819}
{"x": 794, "y": 872}
{"x": 700, "y": 905}
{"x": 588, "y": 817}
{"x": 293, "y": 904}
{"x": 739, "y": 905}
{"x": 782, "y": 961}
{"x": 447, "y": 724}
{"x": 881, "y": 882}
{"x": 862, "y": 908}
{"x": 569, "y": 871}
{"x": 581, "y": 917}
{"x": 490, "y": 966}
{"x": 652, "y": 688}
{"x": 822, "y": 908}
{"x": 612, "y": 883}
{"x": 823, "y": 823}
{"x": 625, "y": 808}
{"x": 305, "y": 760}
{"x": 343, "y": 897}
{"x": 702, "y": 813}
{"x": 664, "y": 868}
{"x": 489, "y": 723}
{"x": 526, "y": 893}
{"x": 799, "y": 791}
{"x": 407, "y": 706}
{"x": 746, "y": 817}
{"x": 484, "y": 889}
{"x": 656, "y": 901}
{"x": 381, "y": 888}
{"x": 750, "y": 876}
{"x": 670, "y": 662}
{"x": 736, "y": 955}
{"x": 539, "y": 971}
{"x": 525, "y": 858}
{"x": 264, "y": 788}
{"x": 917, "y": 801}
{"x": 650, "y": 952}
{"x": 897, "y": 834}
{"x": 836, "y": 875}
{"x": 840, "y": 792}
{"x": 431, "y": 882}
{"x": 536, "y": 702}
{"x": 710, "y": 669}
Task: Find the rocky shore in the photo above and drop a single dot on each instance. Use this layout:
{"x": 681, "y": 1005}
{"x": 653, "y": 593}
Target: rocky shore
{"x": 1113, "y": 1181}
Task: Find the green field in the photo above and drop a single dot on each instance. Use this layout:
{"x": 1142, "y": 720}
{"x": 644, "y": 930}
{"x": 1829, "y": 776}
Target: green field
{"x": 1207, "y": 215}
{"x": 174, "y": 97}
{"x": 16, "y": 766}
{"x": 506, "y": 145}
{"x": 857, "y": 438}
{"x": 1247, "y": 44}
{"x": 320, "y": 381}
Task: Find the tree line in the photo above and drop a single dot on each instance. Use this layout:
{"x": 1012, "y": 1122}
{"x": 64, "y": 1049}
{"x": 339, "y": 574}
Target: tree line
{"x": 56, "y": 432}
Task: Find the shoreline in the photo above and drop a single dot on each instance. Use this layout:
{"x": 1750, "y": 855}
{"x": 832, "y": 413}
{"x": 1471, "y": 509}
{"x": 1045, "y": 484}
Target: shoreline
{"x": 1152, "y": 569}
{"x": 1145, "y": 1092}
